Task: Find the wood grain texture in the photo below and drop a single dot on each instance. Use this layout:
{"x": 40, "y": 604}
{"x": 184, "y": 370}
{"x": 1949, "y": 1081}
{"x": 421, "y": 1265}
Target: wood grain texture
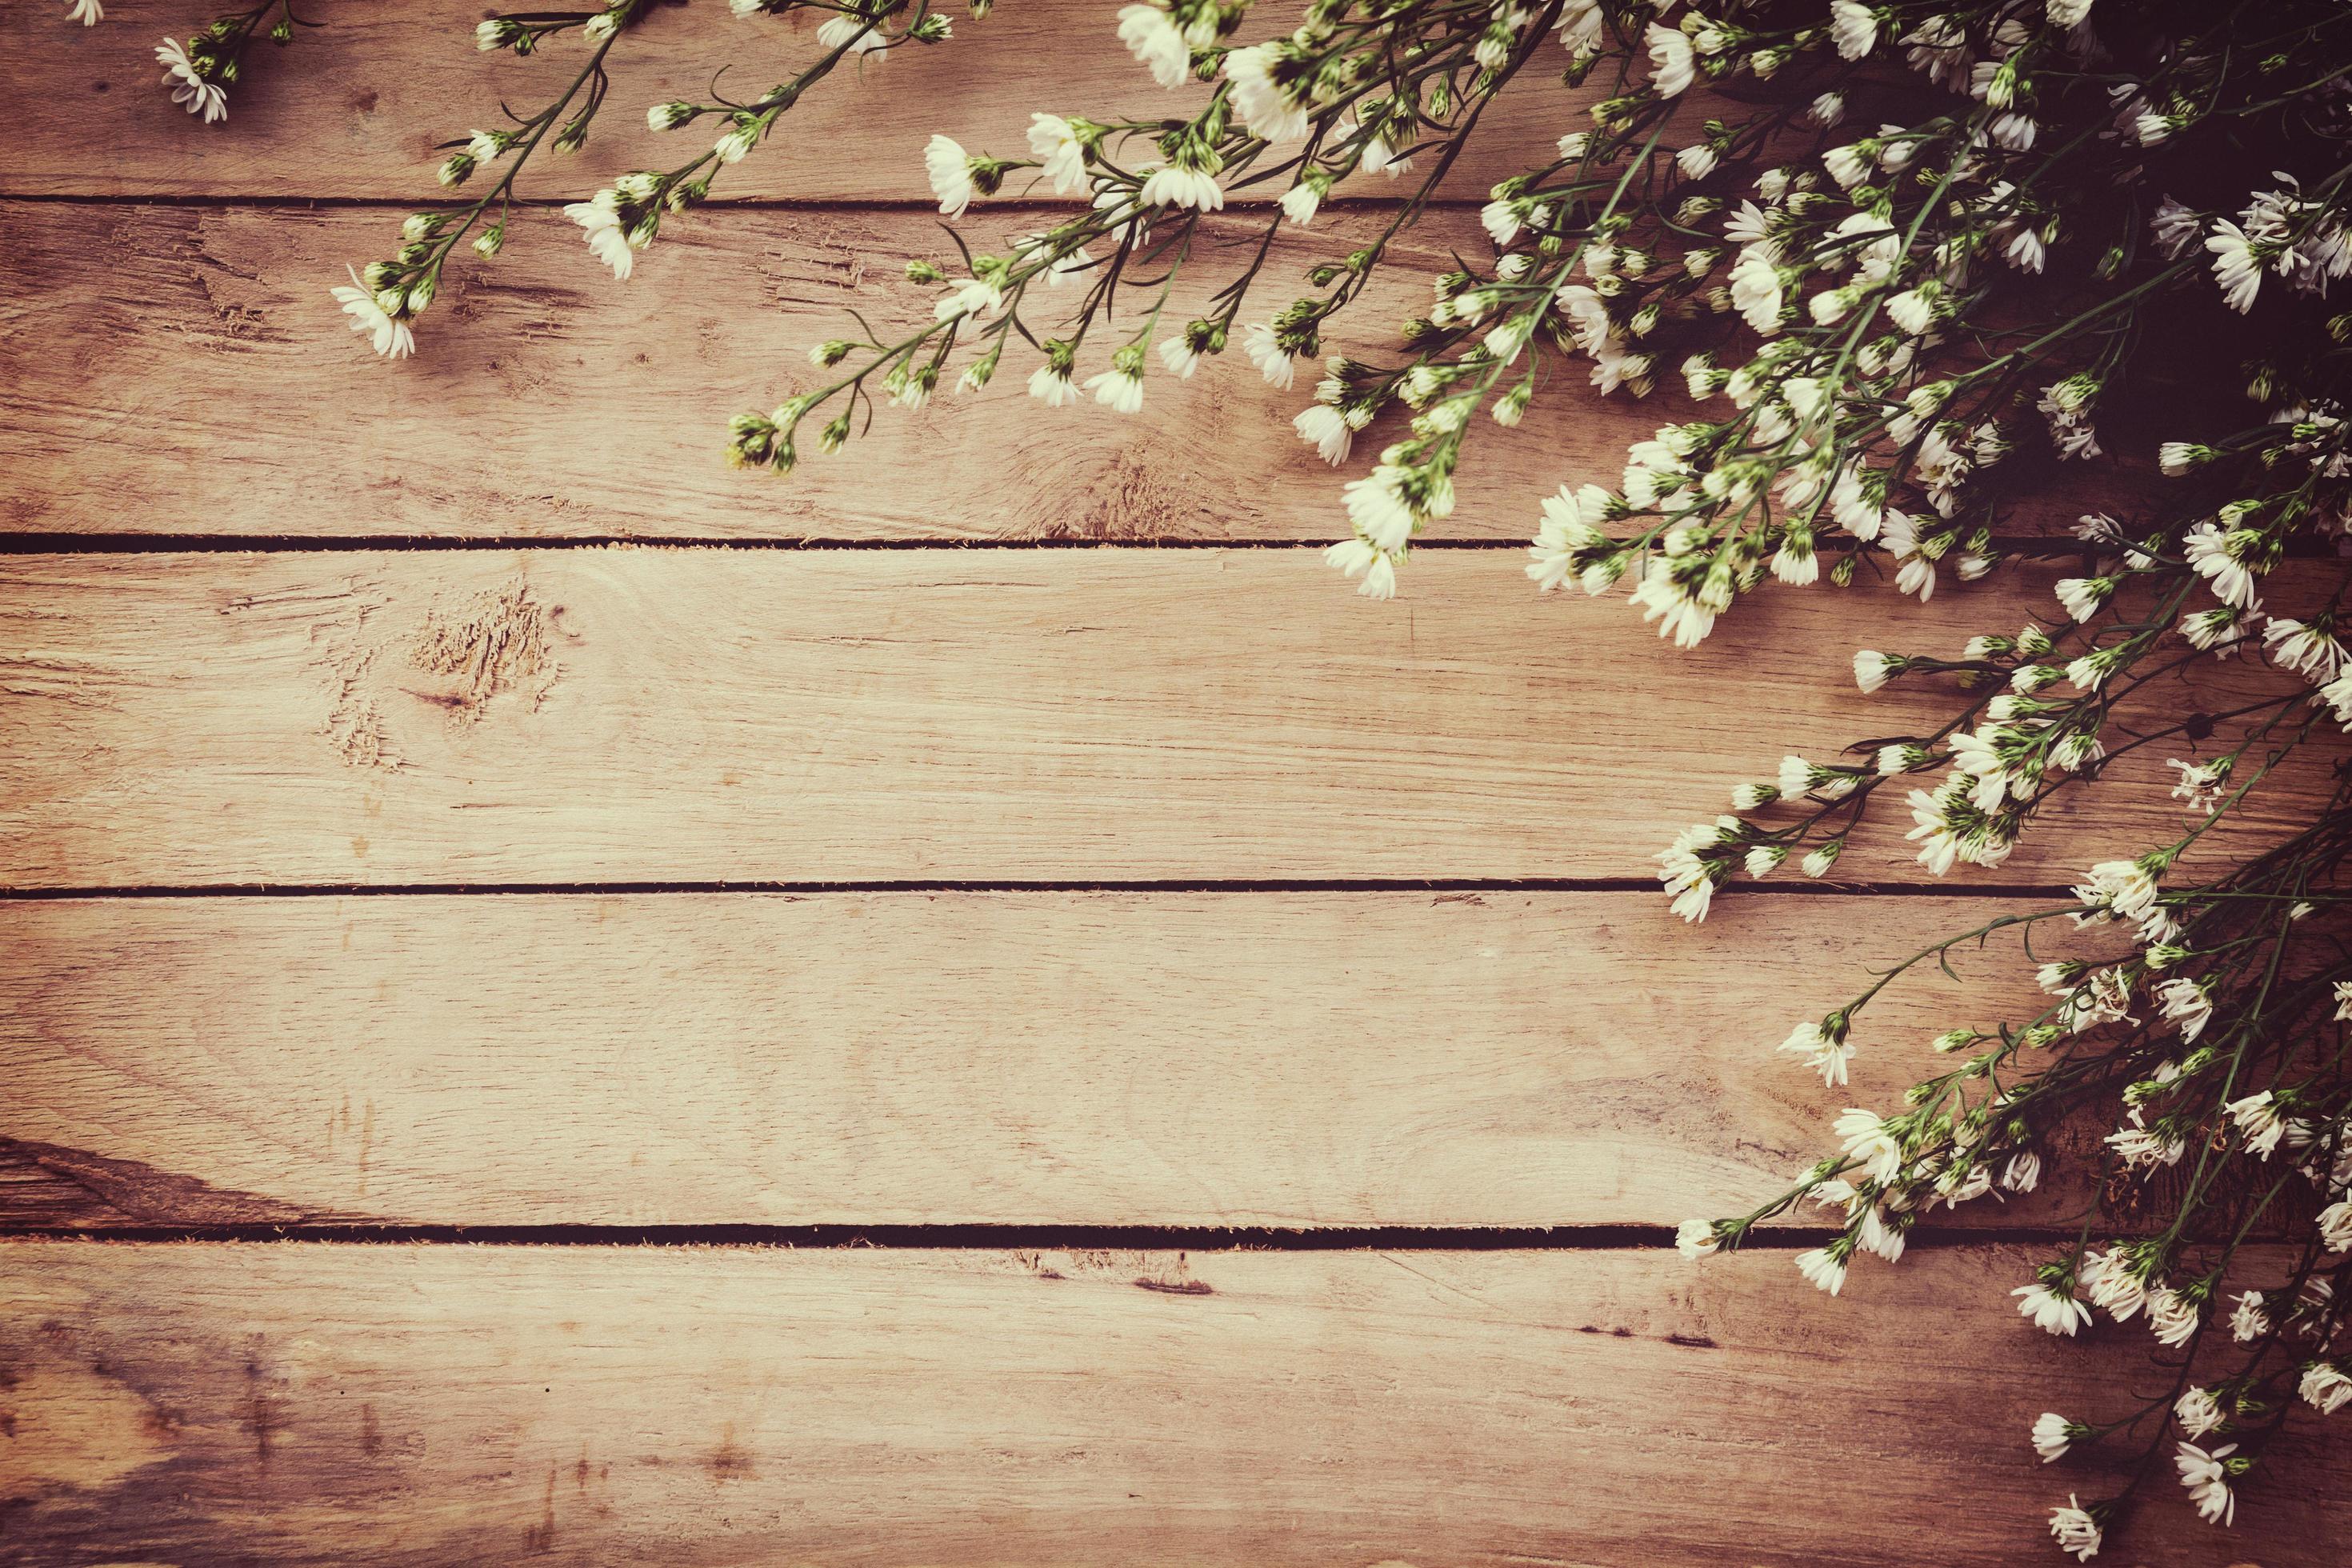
{"x": 549, "y": 400}
{"x": 414, "y": 1406}
{"x": 1278, "y": 1060}
{"x": 810, "y": 716}
{"x": 357, "y": 108}
{"x": 213, "y": 388}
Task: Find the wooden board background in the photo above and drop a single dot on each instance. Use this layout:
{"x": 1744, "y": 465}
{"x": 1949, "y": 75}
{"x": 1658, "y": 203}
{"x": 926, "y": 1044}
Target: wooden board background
{"x": 389, "y": 923}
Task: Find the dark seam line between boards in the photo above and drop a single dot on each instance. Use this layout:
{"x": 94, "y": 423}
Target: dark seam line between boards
{"x": 1248, "y": 204}
{"x": 1369, "y": 886}
{"x": 78, "y": 543}
{"x": 1027, "y": 1236}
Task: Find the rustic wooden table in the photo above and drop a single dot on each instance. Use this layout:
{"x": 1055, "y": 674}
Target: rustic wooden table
{"x": 466, "y": 967}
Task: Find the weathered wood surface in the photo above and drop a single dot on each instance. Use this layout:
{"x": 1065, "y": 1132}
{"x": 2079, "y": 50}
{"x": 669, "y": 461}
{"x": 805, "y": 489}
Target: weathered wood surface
{"x": 296, "y": 1404}
{"x": 213, "y": 389}
{"x": 632, "y": 714}
{"x": 357, "y": 108}
{"x": 1278, "y": 1060}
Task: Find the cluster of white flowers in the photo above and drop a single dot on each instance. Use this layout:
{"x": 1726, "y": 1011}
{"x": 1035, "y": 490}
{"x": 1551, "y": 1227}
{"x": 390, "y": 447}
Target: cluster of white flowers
{"x": 1343, "y": 94}
{"x": 196, "y": 82}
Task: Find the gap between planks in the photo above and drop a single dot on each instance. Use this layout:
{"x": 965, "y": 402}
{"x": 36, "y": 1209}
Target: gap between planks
{"x": 1049, "y": 1237}
{"x": 2014, "y": 893}
{"x": 2036, "y": 546}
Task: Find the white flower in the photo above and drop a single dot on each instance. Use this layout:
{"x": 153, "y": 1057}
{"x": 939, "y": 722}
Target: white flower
{"x": 974, "y": 298}
{"x": 2213, "y": 554}
{"x": 1119, "y": 390}
{"x": 2198, "y": 1412}
{"x": 2172, "y": 1317}
{"x": 89, "y": 13}
{"x": 1671, "y": 67}
{"x": 2118, "y": 888}
{"x": 1180, "y": 187}
{"x": 2257, "y": 1117}
{"x": 2067, "y": 13}
{"x": 1359, "y": 558}
{"x": 2324, "y": 1387}
{"x": 1177, "y": 353}
{"x": 1695, "y": 1238}
{"x": 2023, "y": 1172}
{"x": 1055, "y": 145}
{"x": 1379, "y": 154}
{"x": 1913, "y": 309}
{"x": 951, "y": 174}
{"x": 2201, "y": 783}
{"x": 1854, "y": 26}
{"x": 1848, "y": 167}
{"x": 1869, "y": 1143}
{"x": 1323, "y": 427}
{"x": 1301, "y": 201}
{"x": 390, "y": 338}
{"x": 2112, "y": 1287}
{"x": 1685, "y": 874}
{"x": 1050, "y": 387}
{"x": 2174, "y": 229}
{"x": 1756, "y": 289}
{"x": 2174, "y": 458}
{"x": 2207, "y": 1480}
{"x": 2309, "y": 651}
{"x": 2052, "y": 1435}
{"x": 1267, "y": 108}
{"x": 2338, "y": 695}
{"x": 2143, "y": 1148}
{"x": 1872, "y": 669}
{"x": 2336, "y": 1226}
{"x": 600, "y": 220}
{"x": 857, "y": 34}
{"x": 2235, "y": 268}
{"x": 1272, "y": 360}
{"x": 2015, "y": 133}
{"x": 1823, "y": 1270}
{"x": 1826, "y": 1051}
{"x": 1587, "y": 315}
{"x": 2248, "y": 1322}
{"x": 2186, "y": 1004}
{"x": 1696, "y": 160}
{"x": 1153, "y": 36}
{"x": 1879, "y": 1237}
{"x": 1749, "y": 224}
{"x": 189, "y": 91}
{"x": 1580, "y": 28}
{"x": 2049, "y": 1310}
{"x": 2076, "y": 1531}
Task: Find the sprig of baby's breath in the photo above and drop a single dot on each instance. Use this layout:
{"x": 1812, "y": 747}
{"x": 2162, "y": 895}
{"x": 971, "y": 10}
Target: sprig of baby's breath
{"x": 384, "y": 299}
{"x": 201, "y": 72}
{"x": 1385, "y": 85}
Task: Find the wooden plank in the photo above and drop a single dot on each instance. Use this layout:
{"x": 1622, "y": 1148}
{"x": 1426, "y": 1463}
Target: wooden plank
{"x": 200, "y": 381}
{"x": 356, "y": 108}
{"x": 431, "y": 1405}
{"x": 592, "y": 716}
{"x": 505, "y": 423}
{"x": 1277, "y": 1059}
